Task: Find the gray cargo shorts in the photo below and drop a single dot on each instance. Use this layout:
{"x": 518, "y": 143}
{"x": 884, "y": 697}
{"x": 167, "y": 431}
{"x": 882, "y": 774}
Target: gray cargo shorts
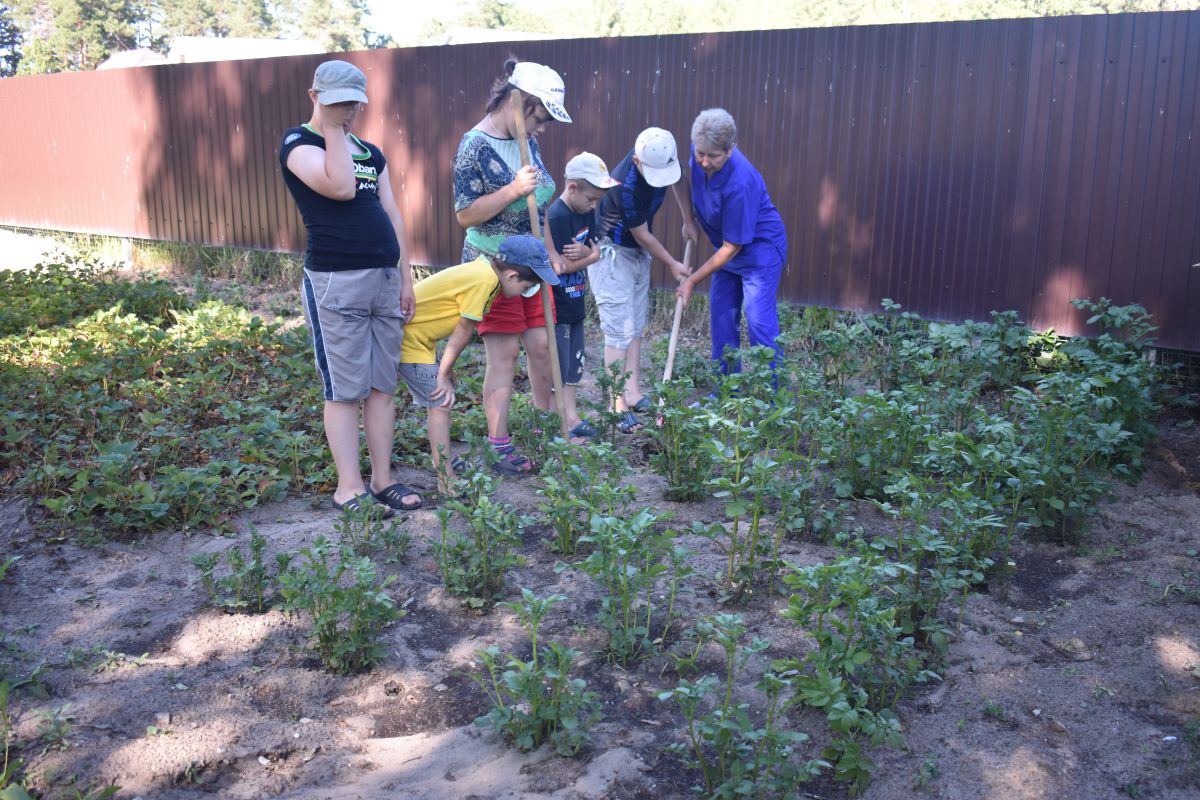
{"x": 357, "y": 328}
{"x": 620, "y": 283}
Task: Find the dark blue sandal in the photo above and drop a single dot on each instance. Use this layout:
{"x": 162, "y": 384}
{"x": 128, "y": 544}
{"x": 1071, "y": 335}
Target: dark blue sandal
{"x": 629, "y": 423}
{"x": 583, "y": 430}
{"x": 643, "y": 406}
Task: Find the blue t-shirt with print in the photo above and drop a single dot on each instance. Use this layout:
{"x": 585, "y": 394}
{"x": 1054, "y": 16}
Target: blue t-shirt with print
{"x": 342, "y": 234}
{"x": 629, "y": 205}
{"x": 733, "y": 206}
{"x": 565, "y": 225}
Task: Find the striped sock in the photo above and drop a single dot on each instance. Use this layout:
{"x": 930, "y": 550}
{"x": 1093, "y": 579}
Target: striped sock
{"x": 501, "y": 444}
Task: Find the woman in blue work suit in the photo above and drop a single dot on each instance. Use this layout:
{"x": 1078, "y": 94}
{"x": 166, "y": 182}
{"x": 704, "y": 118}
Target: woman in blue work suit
{"x": 729, "y": 199}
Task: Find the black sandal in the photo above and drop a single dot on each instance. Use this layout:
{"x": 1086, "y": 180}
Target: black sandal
{"x": 393, "y": 497}
{"x": 357, "y": 502}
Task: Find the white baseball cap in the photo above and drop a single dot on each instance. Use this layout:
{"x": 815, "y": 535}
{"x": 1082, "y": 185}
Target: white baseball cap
{"x": 543, "y": 83}
{"x": 591, "y": 168}
{"x": 339, "y": 82}
{"x": 655, "y": 149}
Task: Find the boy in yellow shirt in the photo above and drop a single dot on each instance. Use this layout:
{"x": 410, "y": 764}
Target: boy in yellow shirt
{"x": 449, "y": 304}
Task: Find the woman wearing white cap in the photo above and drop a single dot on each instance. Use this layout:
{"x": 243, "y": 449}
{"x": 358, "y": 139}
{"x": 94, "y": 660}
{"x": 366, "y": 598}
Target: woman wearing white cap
{"x": 490, "y": 187}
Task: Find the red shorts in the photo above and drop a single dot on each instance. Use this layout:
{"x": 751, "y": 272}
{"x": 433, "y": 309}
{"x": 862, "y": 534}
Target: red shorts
{"x": 515, "y": 314}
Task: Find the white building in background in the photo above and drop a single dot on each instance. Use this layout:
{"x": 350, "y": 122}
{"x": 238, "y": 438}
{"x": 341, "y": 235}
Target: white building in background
{"x": 141, "y": 57}
{"x": 194, "y": 49}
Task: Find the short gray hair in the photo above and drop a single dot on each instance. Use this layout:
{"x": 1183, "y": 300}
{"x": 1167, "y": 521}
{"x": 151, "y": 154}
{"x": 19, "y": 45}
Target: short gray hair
{"x": 714, "y": 127}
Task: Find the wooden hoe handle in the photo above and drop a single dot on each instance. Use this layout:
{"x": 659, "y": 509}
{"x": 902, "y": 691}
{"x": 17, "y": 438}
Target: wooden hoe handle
{"x": 515, "y": 99}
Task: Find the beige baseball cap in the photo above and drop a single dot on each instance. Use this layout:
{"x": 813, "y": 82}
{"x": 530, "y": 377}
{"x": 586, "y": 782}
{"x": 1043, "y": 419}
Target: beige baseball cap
{"x": 591, "y": 168}
{"x": 339, "y": 82}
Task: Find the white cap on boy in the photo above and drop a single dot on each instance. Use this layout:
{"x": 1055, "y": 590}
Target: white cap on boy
{"x": 591, "y": 168}
{"x": 655, "y": 149}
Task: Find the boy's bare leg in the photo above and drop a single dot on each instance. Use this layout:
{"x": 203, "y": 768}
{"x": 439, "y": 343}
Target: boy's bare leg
{"x": 501, "y": 351}
{"x": 341, "y": 431}
{"x": 537, "y": 360}
{"x": 612, "y": 356}
{"x": 569, "y": 403}
{"x": 633, "y": 365}
{"x": 439, "y": 446}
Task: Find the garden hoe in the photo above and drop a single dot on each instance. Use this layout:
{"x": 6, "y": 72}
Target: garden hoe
{"x": 516, "y": 100}
{"x": 671, "y": 345}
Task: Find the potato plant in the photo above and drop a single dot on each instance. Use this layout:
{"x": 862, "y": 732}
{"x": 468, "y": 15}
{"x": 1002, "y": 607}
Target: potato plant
{"x": 536, "y": 700}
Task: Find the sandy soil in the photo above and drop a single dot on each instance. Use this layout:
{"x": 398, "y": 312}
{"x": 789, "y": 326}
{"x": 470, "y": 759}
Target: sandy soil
{"x": 1074, "y": 680}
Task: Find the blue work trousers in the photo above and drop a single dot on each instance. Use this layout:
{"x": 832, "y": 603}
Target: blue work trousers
{"x": 754, "y": 289}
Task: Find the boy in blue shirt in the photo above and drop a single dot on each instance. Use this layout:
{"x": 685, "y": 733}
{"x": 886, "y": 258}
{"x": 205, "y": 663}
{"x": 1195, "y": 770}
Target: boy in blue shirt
{"x": 621, "y": 279}
{"x": 570, "y": 240}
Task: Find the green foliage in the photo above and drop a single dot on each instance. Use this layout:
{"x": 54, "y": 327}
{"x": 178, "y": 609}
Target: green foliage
{"x": 610, "y": 384}
{"x": 79, "y": 34}
{"x": 123, "y": 425}
{"x": 618, "y": 18}
{"x": 532, "y": 429}
{"x": 10, "y": 42}
{"x": 629, "y": 559}
{"x": 736, "y": 756}
{"x": 219, "y": 273}
{"x": 863, "y": 661}
{"x": 966, "y": 435}
{"x": 74, "y": 288}
{"x": 473, "y": 565}
{"x": 365, "y": 533}
{"x": 349, "y": 607}
{"x": 215, "y": 18}
{"x": 927, "y": 773}
{"x": 10, "y": 787}
{"x": 54, "y": 728}
{"x": 336, "y": 24}
{"x": 247, "y": 586}
{"x": 98, "y": 658}
{"x": 76, "y": 34}
{"x": 536, "y": 701}
{"x": 587, "y": 482}
{"x": 995, "y": 711}
{"x": 681, "y": 455}
{"x": 745, "y": 481}
{"x": 868, "y": 435}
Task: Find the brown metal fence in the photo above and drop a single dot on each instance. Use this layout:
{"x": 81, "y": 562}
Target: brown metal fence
{"x": 954, "y": 167}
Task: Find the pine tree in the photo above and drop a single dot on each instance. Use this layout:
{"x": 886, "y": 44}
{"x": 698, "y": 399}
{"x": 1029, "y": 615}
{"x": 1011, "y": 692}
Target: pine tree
{"x": 75, "y": 34}
{"x": 10, "y": 42}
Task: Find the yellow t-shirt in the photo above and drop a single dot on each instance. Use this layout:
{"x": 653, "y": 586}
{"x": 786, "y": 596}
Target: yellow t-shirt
{"x": 442, "y": 299}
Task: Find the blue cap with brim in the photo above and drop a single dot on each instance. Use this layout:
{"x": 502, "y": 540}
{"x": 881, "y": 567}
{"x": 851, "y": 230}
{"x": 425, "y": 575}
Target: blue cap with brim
{"x": 526, "y": 251}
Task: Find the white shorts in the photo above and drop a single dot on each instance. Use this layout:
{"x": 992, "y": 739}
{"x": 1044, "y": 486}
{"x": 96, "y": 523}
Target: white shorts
{"x": 620, "y": 283}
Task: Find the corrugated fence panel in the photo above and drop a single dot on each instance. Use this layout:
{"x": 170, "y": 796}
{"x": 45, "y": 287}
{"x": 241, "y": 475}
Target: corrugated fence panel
{"x": 956, "y": 168}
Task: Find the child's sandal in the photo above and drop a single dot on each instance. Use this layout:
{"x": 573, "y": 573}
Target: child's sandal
{"x": 511, "y": 463}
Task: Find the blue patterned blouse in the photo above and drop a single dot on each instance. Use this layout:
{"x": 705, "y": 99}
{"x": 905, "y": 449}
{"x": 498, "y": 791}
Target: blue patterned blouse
{"x": 485, "y": 164}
